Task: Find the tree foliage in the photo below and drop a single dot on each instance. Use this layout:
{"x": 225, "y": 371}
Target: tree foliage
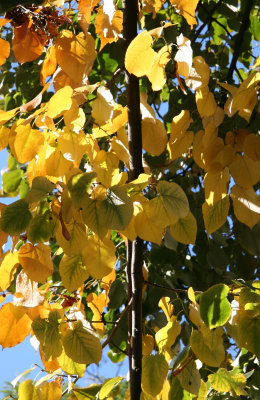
{"x": 92, "y": 201}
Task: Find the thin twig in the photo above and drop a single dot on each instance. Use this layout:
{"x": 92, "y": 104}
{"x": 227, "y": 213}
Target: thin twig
{"x": 115, "y": 74}
{"x": 239, "y": 39}
{"x": 174, "y": 290}
{"x": 179, "y": 370}
{"x": 207, "y": 21}
{"x": 117, "y": 325}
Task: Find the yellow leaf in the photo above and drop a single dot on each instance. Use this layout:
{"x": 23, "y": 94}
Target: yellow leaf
{"x": 208, "y": 345}
{"x": 97, "y": 304}
{"x": 252, "y": 147}
{"x": 99, "y": 257}
{"x": 152, "y": 6}
{"x": 190, "y": 378}
{"x": 154, "y": 136}
{"x": 50, "y": 366}
{"x": 78, "y": 238}
{"x": 49, "y": 64}
{"x": 5, "y": 50}
{"x": 36, "y": 261}
{"x": 7, "y": 269}
{"x": 157, "y": 75}
{"x": 179, "y": 144}
{"x": 75, "y": 117}
{"x": 167, "y": 307}
{"x": 180, "y": 122}
{"x": 215, "y": 215}
{"x": 92, "y": 217}
{"x": 140, "y": 56}
{"x": 85, "y": 8}
{"x": 7, "y": 115}
{"x": 154, "y": 372}
{"x": 216, "y": 185}
{"x": 145, "y": 227}
{"x": 245, "y": 171}
{"x": 103, "y": 106}
{"x": 117, "y": 121}
{"x": 205, "y": 101}
{"x": 183, "y": 56}
{"x": 199, "y": 75}
{"x": 75, "y": 54}
{"x": 73, "y": 272}
{"x": 55, "y": 163}
{"x": 185, "y": 229}
{"x": 109, "y": 23}
{"x": 187, "y": 9}
{"x": 246, "y": 205}
{"x": 50, "y": 391}
{"x": 4, "y": 136}
{"x": 25, "y": 142}
{"x": 147, "y": 345}
{"x": 167, "y": 335}
{"x": 170, "y": 204}
{"x": 59, "y": 102}
{"x": 15, "y": 325}
{"x": 72, "y": 145}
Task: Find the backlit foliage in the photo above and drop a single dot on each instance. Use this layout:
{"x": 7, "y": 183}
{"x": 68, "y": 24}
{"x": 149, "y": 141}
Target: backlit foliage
{"x": 196, "y": 206}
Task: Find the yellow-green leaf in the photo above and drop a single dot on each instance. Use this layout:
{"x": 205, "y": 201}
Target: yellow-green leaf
{"x": 167, "y": 335}
{"x": 208, "y": 346}
{"x": 73, "y": 272}
{"x": 82, "y": 346}
{"x": 228, "y": 381}
{"x": 185, "y": 229}
{"x": 155, "y": 369}
{"x": 190, "y": 378}
{"x": 69, "y": 366}
{"x": 108, "y": 386}
{"x": 215, "y": 215}
{"x": 99, "y": 257}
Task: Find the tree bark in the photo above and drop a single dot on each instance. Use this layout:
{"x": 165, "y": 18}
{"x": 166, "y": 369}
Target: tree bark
{"x": 135, "y": 249}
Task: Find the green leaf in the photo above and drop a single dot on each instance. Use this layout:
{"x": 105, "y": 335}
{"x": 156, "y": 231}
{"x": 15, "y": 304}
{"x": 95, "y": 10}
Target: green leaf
{"x": 108, "y": 386}
{"x": 12, "y": 180}
{"x": 73, "y": 271}
{"x": 215, "y": 309}
{"x": 190, "y": 378}
{"x": 42, "y": 227}
{"x": 88, "y": 393}
{"x": 228, "y": 381}
{"x": 155, "y": 369}
{"x": 91, "y": 216}
{"x": 208, "y": 346}
{"x": 40, "y": 189}
{"x": 47, "y": 332}
{"x": 116, "y": 209}
{"x": 255, "y": 24}
{"x": 15, "y": 217}
{"x": 82, "y": 346}
{"x": 79, "y": 186}
{"x": 177, "y": 392}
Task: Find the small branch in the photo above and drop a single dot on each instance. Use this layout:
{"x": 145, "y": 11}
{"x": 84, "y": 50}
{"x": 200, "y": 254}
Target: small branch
{"x": 115, "y": 74}
{"x": 179, "y": 370}
{"x": 169, "y": 289}
{"x": 239, "y": 39}
{"x": 117, "y": 325}
{"x": 118, "y": 348}
{"x": 207, "y": 20}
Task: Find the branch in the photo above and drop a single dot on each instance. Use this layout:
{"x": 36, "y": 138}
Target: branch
{"x": 135, "y": 249}
{"x": 239, "y": 39}
{"x": 108, "y": 339}
{"x": 179, "y": 370}
{"x": 169, "y": 289}
{"x": 207, "y": 21}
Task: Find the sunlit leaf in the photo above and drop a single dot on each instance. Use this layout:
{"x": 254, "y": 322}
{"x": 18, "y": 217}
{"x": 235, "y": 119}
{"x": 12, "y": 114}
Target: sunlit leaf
{"x": 228, "y": 381}
{"x": 60, "y": 101}
{"x": 15, "y": 217}
{"x": 36, "y": 261}
{"x": 73, "y": 272}
{"x": 108, "y": 386}
{"x": 215, "y": 215}
{"x": 8, "y": 267}
{"x": 208, "y": 346}
{"x": 190, "y": 378}
{"x": 140, "y": 56}
{"x": 154, "y": 136}
{"x": 5, "y": 50}
{"x": 215, "y": 309}
{"x": 246, "y": 205}
{"x": 15, "y": 325}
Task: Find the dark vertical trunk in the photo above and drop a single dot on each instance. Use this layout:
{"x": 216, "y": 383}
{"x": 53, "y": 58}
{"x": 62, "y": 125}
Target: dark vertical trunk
{"x": 135, "y": 249}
